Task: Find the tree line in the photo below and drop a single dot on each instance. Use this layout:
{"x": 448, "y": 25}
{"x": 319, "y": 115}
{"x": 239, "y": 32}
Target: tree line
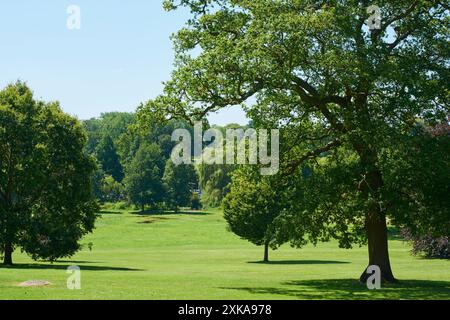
{"x": 134, "y": 165}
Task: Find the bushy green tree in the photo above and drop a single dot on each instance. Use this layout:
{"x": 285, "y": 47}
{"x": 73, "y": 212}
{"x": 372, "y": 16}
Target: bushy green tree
{"x": 111, "y": 190}
{"x": 148, "y": 130}
{"x": 335, "y": 83}
{"x": 97, "y": 181}
{"x": 179, "y": 182}
{"x": 143, "y": 180}
{"x": 108, "y": 158}
{"x": 214, "y": 180}
{"x": 112, "y": 124}
{"x": 251, "y": 207}
{"x": 46, "y": 203}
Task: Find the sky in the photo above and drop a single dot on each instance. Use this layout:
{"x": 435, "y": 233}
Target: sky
{"x": 118, "y": 58}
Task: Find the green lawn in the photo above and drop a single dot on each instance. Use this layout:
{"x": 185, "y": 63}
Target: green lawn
{"x": 193, "y": 256}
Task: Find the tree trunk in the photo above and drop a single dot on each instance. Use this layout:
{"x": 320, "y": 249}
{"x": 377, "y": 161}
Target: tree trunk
{"x": 375, "y": 223}
{"x": 8, "y": 250}
{"x": 266, "y": 252}
{"x": 376, "y": 229}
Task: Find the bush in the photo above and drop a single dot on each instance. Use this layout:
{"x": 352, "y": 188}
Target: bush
{"x": 429, "y": 246}
{"x": 112, "y": 191}
{"x": 120, "y": 205}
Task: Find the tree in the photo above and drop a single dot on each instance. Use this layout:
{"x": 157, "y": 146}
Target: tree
{"x": 149, "y": 131}
{"x": 46, "y": 203}
{"x": 107, "y": 156}
{"x": 214, "y": 180}
{"x": 179, "y": 182}
{"x": 97, "y": 181}
{"x": 111, "y": 190}
{"x": 333, "y": 82}
{"x": 143, "y": 179}
{"x": 428, "y": 246}
{"x": 93, "y": 129}
{"x": 113, "y": 124}
{"x": 251, "y": 207}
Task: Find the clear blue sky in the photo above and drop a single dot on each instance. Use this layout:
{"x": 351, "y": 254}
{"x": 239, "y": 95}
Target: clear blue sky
{"x": 117, "y": 60}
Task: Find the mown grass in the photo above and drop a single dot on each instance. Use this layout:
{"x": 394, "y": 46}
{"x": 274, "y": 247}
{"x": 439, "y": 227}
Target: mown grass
{"x": 192, "y": 256}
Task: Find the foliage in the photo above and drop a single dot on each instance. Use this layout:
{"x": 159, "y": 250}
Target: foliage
{"x": 214, "y": 180}
{"x": 179, "y": 182}
{"x": 149, "y": 130}
{"x": 46, "y": 203}
{"x": 143, "y": 180}
{"x": 112, "y": 124}
{"x": 112, "y": 191}
{"x": 252, "y": 206}
{"x": 97, "y": 180}
{"x": 108, "y": 158}
{"x": 428, "y": 245}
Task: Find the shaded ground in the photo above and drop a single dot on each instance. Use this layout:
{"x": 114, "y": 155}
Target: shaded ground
{"x": 353, "y": 289}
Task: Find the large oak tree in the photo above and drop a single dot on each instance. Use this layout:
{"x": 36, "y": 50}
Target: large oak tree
{"x": 337, "y": 87}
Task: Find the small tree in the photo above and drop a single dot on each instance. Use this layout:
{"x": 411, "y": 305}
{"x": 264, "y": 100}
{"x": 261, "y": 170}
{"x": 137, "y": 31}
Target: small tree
{"x": 179, "y": 181}
{"x": 251, "y": 207}
{"x": 143, "y": 181}
{"x": 46, "y": 203}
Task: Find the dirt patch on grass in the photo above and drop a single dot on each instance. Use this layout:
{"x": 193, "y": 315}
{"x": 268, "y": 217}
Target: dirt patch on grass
{"x": 34, "y": 283}
{"x": 153, "y": 220}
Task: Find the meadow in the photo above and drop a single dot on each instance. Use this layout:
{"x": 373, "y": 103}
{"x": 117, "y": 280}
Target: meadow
{"x": 192, "y": 256}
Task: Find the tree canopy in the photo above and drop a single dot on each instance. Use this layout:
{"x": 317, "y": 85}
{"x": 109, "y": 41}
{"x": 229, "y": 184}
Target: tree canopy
{"x": 108, "y": 158}
{"x": 46, "y": 202}
{"x": 252, "y": 206}
{"x": 143, "y": 180}
{"x": 179, "y": 182}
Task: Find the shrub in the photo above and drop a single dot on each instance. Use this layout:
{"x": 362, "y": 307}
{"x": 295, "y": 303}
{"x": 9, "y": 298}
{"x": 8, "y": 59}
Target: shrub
{"x": 428, "y": 245}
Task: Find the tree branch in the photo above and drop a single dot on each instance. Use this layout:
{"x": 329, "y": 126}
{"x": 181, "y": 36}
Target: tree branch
{"x": 398, "y": 17}
{"x": 312, "y": 154}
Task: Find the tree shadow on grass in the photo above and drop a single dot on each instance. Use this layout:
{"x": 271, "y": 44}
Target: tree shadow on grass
{"x": 110, "y": 212}
{"x": 29, "y": 266}
{"x": 350, "y": 289}
{"x": 299, "y": 262}
{"x": 74, "y": 261}
{"x": 168, "y": 213}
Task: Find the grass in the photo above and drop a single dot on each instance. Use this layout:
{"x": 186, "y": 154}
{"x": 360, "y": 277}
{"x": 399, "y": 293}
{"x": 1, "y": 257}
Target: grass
{"x": 193, "y": 256}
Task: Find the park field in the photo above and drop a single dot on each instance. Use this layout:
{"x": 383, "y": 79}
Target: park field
{"x": 193, "y": 256}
